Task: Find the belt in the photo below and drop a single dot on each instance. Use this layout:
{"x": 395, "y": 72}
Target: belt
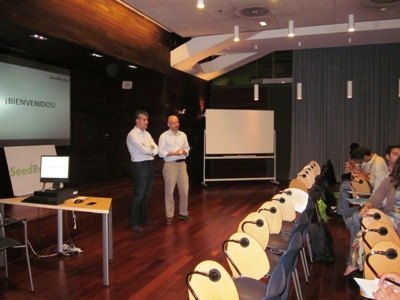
{"x": 178, "y": 160}
{"x": 142, "y": 162}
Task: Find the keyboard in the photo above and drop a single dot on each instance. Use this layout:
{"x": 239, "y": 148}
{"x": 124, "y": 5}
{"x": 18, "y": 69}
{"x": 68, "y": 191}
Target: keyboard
{"x": 43, "y": 200}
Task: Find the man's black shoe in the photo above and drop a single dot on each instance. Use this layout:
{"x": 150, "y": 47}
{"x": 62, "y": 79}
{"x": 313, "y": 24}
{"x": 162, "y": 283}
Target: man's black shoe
{"x": 186, "y": 218}
{"x": 137, "y": 228}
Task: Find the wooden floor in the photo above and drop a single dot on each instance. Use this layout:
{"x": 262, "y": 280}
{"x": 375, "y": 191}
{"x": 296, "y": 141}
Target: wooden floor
{"x": 153, "y": 265}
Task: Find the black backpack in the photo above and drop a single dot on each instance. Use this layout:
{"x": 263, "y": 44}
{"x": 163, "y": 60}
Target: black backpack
{"x": 321, "y": 243}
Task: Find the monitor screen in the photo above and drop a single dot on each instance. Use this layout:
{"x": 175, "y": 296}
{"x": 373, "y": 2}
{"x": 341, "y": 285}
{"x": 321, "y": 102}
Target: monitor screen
{"x": 54, "y": 168}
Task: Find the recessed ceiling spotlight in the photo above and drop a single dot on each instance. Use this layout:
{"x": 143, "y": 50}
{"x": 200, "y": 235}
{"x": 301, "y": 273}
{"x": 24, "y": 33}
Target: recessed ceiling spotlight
{"x": 38, "y": 37}
{"x": 96, "y": 55}
{"x": 263, "y": 23}
{"x": 200, "y": 4}
{"x": 383, "y": 9}
{"x": 132, "y": 66}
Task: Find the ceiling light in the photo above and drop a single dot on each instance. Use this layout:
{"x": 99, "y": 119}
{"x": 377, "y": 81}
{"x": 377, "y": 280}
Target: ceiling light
{"x": 236, "y": 33}
{"x": 200, "y": 4}
{"x": 132, "y": 66}
{"x": 256, "y": 92}
{"x": 349, "y": 89}
{"x": 291, "y": 28}
{"x": 38, "y": 37}
{"x": 299, "y": 91}
{"x": 263, "y": 23}
{"x": 96, "y": 55}
{"x": 351, "y": 24}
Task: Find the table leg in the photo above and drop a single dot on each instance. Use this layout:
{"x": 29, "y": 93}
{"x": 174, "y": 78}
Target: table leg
{"x": 110, "y": 237}
{"x": 106, "y": 245}
{"x": 60, "y": 239}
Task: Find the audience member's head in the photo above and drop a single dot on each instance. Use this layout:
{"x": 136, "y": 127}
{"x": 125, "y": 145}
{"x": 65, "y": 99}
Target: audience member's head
{"x": 353, "y": 146}
{"x": 392, "y": 153}
{"x": 359, "y": 154}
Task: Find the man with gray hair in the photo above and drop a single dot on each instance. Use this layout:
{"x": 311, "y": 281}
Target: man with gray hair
{"x": 142, "y": 149}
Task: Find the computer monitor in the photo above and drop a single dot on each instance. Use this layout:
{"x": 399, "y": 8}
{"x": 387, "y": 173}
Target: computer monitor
{"x": 54, "y": 169}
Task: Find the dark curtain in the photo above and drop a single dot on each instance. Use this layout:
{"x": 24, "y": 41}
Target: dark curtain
{"x": 325, "y": 122}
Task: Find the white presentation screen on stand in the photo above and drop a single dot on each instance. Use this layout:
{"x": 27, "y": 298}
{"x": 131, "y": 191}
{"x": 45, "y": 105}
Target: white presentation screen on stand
{"x": 230, "y": 131}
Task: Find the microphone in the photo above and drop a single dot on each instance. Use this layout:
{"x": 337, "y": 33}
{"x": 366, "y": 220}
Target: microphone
{"x": 243, "y": 242}
{"x": 360, "y": 181}
{"x": 382, "y": 231}
{"x": 288, "y": 192}
{"x": 272, "y": 209}
{"x": 214, "y": 275}
{"x": 390, "y": 253}
{"x": 376, "y": 216}
{"x": 281, "y": 200}
{"x": 258, "y": 222}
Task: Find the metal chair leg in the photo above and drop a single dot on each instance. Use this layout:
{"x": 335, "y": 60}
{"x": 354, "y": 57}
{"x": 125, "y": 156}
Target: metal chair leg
{"x": 27, "y": 255}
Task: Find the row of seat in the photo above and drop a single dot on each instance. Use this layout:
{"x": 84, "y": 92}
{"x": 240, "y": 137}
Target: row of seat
{"x": 381, "y": 244}
{"x": 267, "y": 243}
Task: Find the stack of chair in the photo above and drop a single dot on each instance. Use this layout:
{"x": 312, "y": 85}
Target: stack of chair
{"x": 306, "y": 177}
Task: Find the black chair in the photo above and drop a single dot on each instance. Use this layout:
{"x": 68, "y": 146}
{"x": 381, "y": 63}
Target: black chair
{"x": 8, "y": 243}
{"x": 250, "y": 289}
{"x": 280, "y": 243}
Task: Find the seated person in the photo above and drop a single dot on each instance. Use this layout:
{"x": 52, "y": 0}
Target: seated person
{"x": 361, "y": 167}
{"x": 388, "y": 291}
{"x": 387, "y": 198}
{"x": 388, "y": 190}
{"x": 352, "y": 167}
{"x": 372, "y": 164}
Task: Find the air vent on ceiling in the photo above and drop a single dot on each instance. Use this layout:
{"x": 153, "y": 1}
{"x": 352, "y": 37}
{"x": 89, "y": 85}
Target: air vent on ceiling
{"x": 382, "y": 2}
{"x": 253, "y": 11}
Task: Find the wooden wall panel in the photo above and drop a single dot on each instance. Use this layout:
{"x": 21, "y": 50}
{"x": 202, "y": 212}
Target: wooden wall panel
{"x": 102, "y": 25}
